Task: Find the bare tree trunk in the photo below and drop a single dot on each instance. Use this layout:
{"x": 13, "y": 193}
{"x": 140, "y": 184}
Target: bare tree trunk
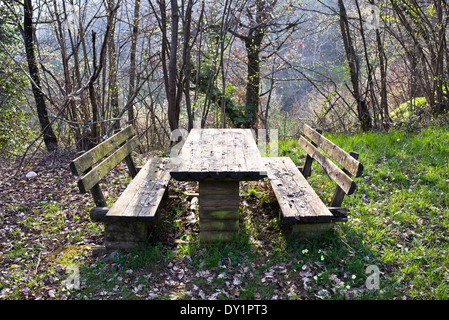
{"x": 441, "y": 105}
{"x": 253, "y": 79}
{"x": 354, "y": 70}
{"x": 173, "y": 111}
{"x": 50, "y": 139}
{"x": 186, "y": 58}
{"x": 93, "y": 97}
{"x": 132, "y": 68}
{"x": 383, "y": 82}
{"x": 96, "y": 70}
{"x": 113, "y": 85}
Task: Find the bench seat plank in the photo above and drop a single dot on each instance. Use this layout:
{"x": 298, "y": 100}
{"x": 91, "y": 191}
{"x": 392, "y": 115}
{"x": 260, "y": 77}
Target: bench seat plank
{"x": 141, "y": 198}
{"x": 297, "y": 200}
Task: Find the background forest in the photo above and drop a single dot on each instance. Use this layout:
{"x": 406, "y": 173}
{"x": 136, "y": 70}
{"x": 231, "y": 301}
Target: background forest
{"x": 73, "y": 71}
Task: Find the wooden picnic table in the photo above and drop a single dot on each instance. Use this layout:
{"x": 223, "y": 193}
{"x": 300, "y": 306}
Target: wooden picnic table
{"x": 219, "y": 159}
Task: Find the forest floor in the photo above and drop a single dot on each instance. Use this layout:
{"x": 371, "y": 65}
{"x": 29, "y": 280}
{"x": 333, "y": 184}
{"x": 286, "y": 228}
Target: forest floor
{"x": 398, "y": 225}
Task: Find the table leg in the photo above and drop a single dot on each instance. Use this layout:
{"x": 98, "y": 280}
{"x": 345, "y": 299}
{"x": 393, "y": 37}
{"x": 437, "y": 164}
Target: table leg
{"x": 218, "y": 210}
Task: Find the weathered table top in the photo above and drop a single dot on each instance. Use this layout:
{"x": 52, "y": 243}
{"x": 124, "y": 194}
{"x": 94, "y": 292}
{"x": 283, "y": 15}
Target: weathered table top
{"x": 219, "y": 154}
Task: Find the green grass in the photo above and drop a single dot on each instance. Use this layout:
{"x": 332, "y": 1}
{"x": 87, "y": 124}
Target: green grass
{"x": 400, "y": 212}
{"x": 399, "y": 216}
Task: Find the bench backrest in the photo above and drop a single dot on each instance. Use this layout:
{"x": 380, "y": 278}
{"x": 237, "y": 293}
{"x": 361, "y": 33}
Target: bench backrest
{"x": 96, "y": 163}
{"x": 350, "y": 165}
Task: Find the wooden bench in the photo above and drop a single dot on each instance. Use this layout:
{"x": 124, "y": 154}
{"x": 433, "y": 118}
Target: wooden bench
{"x": 219, "y": 159}
{"x": 128, "y": 221}
{"x": 298, "y": 202}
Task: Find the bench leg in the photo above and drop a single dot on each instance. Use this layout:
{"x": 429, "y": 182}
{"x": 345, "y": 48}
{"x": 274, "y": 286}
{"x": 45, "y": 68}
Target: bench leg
{"x": 218, "y": 210}
{"x": 125, "y": 235}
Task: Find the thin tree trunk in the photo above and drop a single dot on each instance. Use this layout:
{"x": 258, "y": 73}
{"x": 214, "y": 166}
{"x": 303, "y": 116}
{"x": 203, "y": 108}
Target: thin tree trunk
{"x": 354, "y": 69}
{"x": 383, "y": 82}
{"x": 253, "y": 80}
{"x": 113, "y": 85}
{"x": 186, "y": 58}
{"x": 49, "y": 136}
{"x": 132, "y": 71}
{"x": 172, "y": 71}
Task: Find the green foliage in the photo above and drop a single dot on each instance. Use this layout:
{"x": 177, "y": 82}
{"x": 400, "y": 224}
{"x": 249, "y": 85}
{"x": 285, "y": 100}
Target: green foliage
{"x": 401, "y": 209}
{"x": 404, "y": 109}
{"x": 398, "y": 219}
{"x": 14, "y": 124}
{"x": 233, "y": 111}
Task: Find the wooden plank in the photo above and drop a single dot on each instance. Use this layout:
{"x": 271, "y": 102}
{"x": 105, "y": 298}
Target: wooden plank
{"x": 189, "y": 166}
{"x": 151, "y": 204}
{"x": 142, "y": 197}
{"x": 191, "y": 147}
{"x": 125, "y": 235}
{"x": 307, "y": 168}
{"x": 254, "y": 165}
{"x": 234, "y": 156}
{"x": 184, "y": 162}
{"x": 219, "y": 199}
{"x": 275, "y": 173}
{"x": 131, "y": 166}
{"x": 220, "y": 154}
{"x": 81, "y": 164}
{"x": 330, "y": 168}
{"x": 239, "y": 148}
{"x": 101, "y": 170}
{"x": 217, "y": 165}
{"x": 225, "y": 187}
{"x": 201, "y": 165}
{"x": 351, "y": 164}
{"x": 293, "y": 200}
{"x": 132, "y": 191}
{"x": 296, "y": 198}
{"x": 321, "y": 212}
{"x": 98, "y": 196}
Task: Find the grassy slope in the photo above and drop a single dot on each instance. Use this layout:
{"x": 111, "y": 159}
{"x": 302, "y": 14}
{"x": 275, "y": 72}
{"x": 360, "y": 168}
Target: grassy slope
{"x": 400, "y": 215}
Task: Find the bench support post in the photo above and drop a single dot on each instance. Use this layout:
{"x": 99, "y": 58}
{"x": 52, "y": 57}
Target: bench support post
{"x": 307, "y": 168}
{"x": 131, "y": 166}
{"x": 98, "y": 196}
{"x": 218, "y": 210}
{"x": 125, "y": 235}
{"x": 339, "y": 194}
